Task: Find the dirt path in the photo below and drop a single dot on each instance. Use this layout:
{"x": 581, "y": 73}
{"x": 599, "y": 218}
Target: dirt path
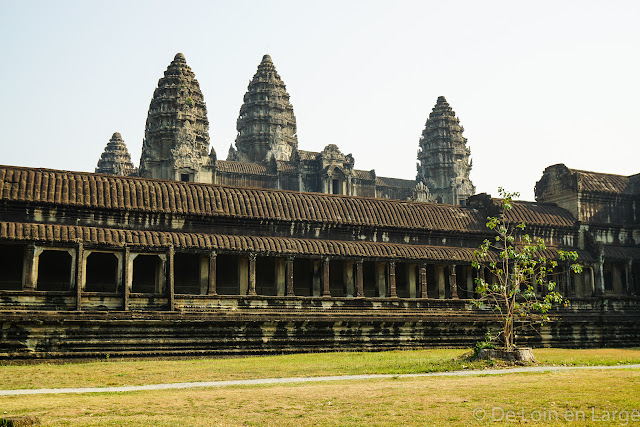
{"x": 267, "y": 381}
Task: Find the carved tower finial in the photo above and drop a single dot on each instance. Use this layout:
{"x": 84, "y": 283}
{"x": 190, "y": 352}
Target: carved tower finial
{"x": 176, "y": 137}
{"x": 115, "y": 159}
{"x": 443, "y": 157}
{"x": 266, "y": 124}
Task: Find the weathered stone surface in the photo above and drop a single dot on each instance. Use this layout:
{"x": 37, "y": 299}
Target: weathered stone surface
{"x": 266, "y": 124}
{"x": 115, "y": 159}
{"x": 176, "y": 142}
{"x": 443, "y": 157}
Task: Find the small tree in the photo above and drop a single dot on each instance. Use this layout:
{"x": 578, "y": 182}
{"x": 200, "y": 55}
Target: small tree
{"x": 519, "y": 269}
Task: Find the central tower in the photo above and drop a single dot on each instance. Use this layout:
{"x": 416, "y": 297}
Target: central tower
{"x": 266, "y": 124}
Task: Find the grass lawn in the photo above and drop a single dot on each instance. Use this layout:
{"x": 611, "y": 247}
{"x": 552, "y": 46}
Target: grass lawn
{"x": 535, "y": 399}
{"x": 115, "y": 372}
{"x": 415, "y": 401}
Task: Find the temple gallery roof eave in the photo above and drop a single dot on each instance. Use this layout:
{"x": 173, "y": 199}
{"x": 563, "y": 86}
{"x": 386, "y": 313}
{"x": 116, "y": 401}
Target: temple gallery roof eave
{"x": 159, "y": 240}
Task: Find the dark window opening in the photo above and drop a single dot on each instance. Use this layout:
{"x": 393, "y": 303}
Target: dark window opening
{"x": 186, "y": 273}
{"x": 403, "y": 271}
{"x": 266, "y": 276}
{"x": 54, "y": 271}
{"x": 185, "y": 177}
{"x": 336, "y": 186}
{"x": 303, "y": 277}
{"x": 101, "y": 272}
{"x": 146, "y": 274}
{"x": 337, "y": 279}
{"x": 227, "y": 278}
{"x": 369, "y": 279}
{"x": 11, "y": 262}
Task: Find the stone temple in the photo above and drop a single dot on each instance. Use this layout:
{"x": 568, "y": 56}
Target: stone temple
{"x": 277, "y": 249}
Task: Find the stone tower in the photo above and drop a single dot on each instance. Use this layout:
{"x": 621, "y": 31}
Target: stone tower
{"x": 176, "y": 136}
{"x": 266, "y": 124}
{"x": 115, "y": 159}
{"x": 443, "y": 157}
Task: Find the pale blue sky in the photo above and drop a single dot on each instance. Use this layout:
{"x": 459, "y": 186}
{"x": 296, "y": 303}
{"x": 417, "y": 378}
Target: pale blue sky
{"x": 533, "y": 83}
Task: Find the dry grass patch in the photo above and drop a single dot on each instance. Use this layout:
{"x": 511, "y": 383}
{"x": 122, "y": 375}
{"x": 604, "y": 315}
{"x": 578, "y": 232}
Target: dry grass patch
{"x": 413, "y": 401}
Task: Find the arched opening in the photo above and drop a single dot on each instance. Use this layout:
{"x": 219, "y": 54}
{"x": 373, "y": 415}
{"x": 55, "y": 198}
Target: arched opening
{"x": 11, "y": 262}
{"x": 101, "y": 272}
{"x": 54, "y": 271}
{"x": 146, "y": 274}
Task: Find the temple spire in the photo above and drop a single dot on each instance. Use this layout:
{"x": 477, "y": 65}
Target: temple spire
{"x": 176, "y": 137}
{"x": 266, "y": 123}
{"x": 443, "y": 157}
{"x": 115, "y": 159}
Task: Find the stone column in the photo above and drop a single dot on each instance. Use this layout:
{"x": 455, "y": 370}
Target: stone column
{"x": 252, "y": 274}
{"x": 590, "y": 287}
{"x": 470, "y": 290}
{"x": 30, "y": 268}
{"x": 316, "y": 285}
{"x": 280, "y": 276}
{"x": 440, "y": 280}
{"x": 290, "y": 289}
{"x": 423, "y": 281}
{"x": 629, "y": 286}
{"x": 392, "y": 280}
{"x": 171, "y": 278}
{"x": 79, "y": 275}
{"x": 453, "y": 282}
{"x": 325, "y": 278}
{"x": 411, "y": 278}
{"x": 243, "y": 275}
{"x": 380, "y": 279}
{"x": 126, "y": 272}
{"x": 359, "y": 279}
{"x": 213, "y": 268}
{"x": 347, "y": 278}
{"x": 599, "y": 279}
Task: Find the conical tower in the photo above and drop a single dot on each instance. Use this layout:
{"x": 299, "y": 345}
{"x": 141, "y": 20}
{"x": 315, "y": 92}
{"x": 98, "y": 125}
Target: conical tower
{"x": 176, "y": 137}
{"x": 115, "y": 159}
{"x": 266, "y": 124}
{"x": 443, "y": 157}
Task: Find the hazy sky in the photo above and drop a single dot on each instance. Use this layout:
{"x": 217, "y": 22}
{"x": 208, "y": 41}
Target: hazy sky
{"x": 533, "y": 83}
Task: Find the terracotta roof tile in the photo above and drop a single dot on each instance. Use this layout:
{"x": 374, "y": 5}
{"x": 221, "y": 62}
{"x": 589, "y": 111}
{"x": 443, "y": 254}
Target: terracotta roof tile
{"x": 539, "y": 214}
{"x": 369, "y": 175}
{"x": 601, "y": 182}
{"x": 173, "y": 197}
{"x": 308, "y": 155}
{"x": 395, "y": 182}
{"x": 243, "y": 167}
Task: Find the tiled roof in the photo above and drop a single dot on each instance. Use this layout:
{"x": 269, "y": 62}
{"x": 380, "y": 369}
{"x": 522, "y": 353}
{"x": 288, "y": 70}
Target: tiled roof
{"x": 242, "y": 167}
{"x": 148, "y": 195}
{"x": 363, "y": 174}
{"x": 395, "y": 182}
{"x": 287, "y": 167}
{"x": 539, "y": 214}
{"x": 622, "y": 253}
{"x": 601, "y": 182}
{"x": 61, "y": 234}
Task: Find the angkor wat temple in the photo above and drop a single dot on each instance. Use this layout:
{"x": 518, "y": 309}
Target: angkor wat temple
{"x": 277, "y": 249}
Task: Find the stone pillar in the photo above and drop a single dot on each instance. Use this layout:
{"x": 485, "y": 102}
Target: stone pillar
{"x": 470, "y": 290}
{"x": 243, "y": 275}
{"x": 411, "y": 278}
{"x": 629, "y": 285}
{"x": 392, "y": 280}
{"x": 424, "y": 293}
{"x": 380, "y": 279}
{"x": 79, "y": 275}
{"x": 316, "y": 284}
{"x": 252, "y": 274}
{"x": 280, "y": 277}
{"x": 30, "y": 268}
{"x": 126, "y": 272}
{"x": 213, "y": 268}
{"x": 599, "y": 276}
{"x": 325, "y": 278}
{"x": 453, "y": 282}
{"x": 290, "y": 289}
{"x": 359, "y": 279}
{"x": 171, "y": 278}
{"x": 347, "y": 278}
{"x": 440, "y": 281}
{"x": 590, "y": 285}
